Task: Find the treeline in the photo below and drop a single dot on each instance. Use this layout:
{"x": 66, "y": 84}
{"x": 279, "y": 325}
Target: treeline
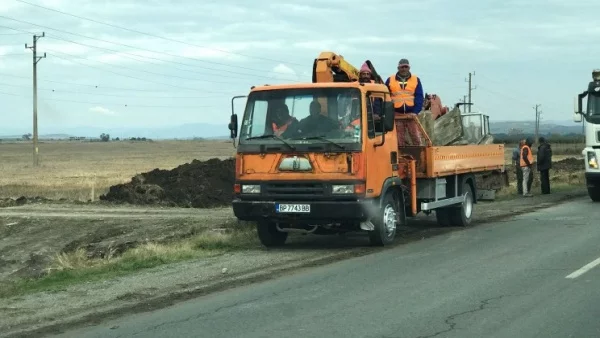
{"x": 552, "y": 138}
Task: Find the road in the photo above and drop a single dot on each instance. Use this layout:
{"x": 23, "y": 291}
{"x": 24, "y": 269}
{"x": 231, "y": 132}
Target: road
{"x": 535, "y": 275}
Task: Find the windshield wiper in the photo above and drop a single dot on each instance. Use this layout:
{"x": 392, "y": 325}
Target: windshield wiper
{"x": 322, "y": 138}
{"x": 273, "y": 136}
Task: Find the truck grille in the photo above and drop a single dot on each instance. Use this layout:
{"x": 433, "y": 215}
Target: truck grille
{"x": 295, "y": 190}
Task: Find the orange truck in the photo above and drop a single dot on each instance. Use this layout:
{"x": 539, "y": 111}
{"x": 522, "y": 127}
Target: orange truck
{"x": 331, "y": 157}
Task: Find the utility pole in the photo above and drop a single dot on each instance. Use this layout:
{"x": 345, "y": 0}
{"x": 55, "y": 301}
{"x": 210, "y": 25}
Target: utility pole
{"x": 36, "y": 59}
{"x": 538, "y": 113}
{"x": 471, "y": 88}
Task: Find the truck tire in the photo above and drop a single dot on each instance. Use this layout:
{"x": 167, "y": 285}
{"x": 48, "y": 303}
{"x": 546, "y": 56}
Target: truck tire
{"x": 442, "y": 216}
{"x": 594, "y": 193}
{"x": 462, "y": 216}
{"x": 385, "y": 222}
{"x": 268, "y": 234}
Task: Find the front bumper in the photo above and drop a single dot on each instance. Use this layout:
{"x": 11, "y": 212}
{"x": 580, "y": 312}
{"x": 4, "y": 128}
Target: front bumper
{"x": 320, "y": 211}
{"x": 592, "y": 179}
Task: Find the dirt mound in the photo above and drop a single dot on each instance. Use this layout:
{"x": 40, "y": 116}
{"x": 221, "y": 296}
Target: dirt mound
{"x": 569, "y": 164}
{"x": 197, "y": 184}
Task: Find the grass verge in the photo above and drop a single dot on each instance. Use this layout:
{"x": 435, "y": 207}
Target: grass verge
{"x": 510, "y": 193}
{"x": 75, "y": 267}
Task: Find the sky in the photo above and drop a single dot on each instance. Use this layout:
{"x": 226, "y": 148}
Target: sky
{"x": 164, "y": 63}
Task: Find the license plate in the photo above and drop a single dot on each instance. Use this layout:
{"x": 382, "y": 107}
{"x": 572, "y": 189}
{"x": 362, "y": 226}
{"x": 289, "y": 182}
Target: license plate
{"x": 293, "y": 208}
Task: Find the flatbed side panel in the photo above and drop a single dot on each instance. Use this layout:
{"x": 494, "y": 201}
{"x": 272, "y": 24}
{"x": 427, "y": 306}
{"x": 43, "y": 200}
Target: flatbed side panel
{"x": 450, "y": 160}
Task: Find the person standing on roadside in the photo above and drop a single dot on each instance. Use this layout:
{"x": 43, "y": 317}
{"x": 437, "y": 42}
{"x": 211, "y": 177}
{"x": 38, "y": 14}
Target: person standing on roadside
{"x": 526, "y": 163}
{"x": 544, "y": 163}
{"x": 517, "y": 163}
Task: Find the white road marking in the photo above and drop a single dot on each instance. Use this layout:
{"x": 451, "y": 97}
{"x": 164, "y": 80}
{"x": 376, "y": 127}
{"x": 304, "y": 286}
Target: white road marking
{"x": 584, "y": 269}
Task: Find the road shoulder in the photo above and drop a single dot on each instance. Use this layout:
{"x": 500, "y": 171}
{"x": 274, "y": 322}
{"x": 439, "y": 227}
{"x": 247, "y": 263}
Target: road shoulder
{"x": 50, "y": 312}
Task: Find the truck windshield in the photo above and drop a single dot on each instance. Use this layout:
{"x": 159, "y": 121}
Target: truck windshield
{"x": 304, "y": 115}
{"x": 593, "y": 104}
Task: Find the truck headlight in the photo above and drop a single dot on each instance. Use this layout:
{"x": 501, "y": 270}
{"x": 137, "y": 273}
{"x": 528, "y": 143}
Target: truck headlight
{"x": 250, "y": 189}
{"x": 342, "y": 189}
{"x": 592, "y": 160}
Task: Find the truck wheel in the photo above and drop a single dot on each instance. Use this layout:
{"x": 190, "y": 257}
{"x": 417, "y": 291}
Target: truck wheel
{"x": 594, "y": 193}
{"x": 385, "y": 223}
{"x": 269, "y": 235}
{"x": 461, "y": 216}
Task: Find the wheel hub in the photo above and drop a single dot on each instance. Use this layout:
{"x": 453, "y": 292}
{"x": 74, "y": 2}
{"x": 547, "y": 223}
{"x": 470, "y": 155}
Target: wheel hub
{"x": 468, "y": 204}
{"x": 389, "y": 219}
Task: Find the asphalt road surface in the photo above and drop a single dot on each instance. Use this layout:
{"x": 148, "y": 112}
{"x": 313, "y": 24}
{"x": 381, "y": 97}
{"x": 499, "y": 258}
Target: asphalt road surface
{"x": 536, "y": 275}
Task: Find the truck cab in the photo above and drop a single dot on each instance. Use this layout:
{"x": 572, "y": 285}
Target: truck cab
{"x": 591, "y": 152}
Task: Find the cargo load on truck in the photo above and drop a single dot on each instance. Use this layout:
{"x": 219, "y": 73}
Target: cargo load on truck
{"x": 331, "y": 156}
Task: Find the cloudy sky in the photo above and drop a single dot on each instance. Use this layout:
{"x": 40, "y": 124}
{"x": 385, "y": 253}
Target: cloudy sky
{"x": 159, "y": 63}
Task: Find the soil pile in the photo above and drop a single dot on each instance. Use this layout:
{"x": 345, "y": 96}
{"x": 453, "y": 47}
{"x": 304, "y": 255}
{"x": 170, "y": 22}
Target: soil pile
{"x": 197, "y": 184}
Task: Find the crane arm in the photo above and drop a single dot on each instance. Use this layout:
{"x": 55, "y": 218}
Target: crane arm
{"x": 331, "y": 67}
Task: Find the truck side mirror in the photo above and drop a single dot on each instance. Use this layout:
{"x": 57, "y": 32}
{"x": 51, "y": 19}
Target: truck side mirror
{"x": 233, "y": 126}
{"x": 388, "y": 116}
{"x": 577, "y": 113}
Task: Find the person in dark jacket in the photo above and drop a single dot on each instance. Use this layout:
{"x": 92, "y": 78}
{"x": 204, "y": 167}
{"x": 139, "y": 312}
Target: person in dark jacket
{"x": 544, "y": 163}
{"x": 516, "y": 162}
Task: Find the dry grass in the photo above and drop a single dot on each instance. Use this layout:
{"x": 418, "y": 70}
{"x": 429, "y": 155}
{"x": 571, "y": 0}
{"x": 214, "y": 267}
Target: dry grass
{"x": 79, "y": 170}
{"x": 75, "y": 267}
{"x": 71, "y": 170}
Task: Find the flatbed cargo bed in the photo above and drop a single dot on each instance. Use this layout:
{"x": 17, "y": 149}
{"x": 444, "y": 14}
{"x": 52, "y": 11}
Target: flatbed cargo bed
{"x": 439, "y": 161}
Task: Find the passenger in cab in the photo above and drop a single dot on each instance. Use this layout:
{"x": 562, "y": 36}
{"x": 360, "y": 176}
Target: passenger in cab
{"x": 283, "y": 122}
{"x": 315, "y": 123}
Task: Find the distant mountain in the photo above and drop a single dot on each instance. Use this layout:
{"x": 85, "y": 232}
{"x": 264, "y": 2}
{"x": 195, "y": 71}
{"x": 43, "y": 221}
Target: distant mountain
{"x": 528, "y": 127}
{"x": 185, "y": 131}
{"x": 220, "y": 131}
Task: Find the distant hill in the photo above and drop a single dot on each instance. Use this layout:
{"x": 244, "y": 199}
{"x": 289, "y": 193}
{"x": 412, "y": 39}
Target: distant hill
{"x": 220, "y": 131}
{"x": 528, "y": 127}
{"x": 184, "y": 131}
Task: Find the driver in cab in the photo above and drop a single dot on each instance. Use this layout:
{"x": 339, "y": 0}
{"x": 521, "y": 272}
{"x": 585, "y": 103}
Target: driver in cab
{"x": 316, "y": 123}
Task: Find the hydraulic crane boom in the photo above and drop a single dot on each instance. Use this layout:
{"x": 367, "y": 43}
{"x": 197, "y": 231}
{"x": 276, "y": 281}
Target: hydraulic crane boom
{"x": 331, "y": 67}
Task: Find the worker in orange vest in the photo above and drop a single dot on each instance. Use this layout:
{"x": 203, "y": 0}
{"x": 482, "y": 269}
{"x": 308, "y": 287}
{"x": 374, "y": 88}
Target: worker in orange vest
{"x": 526, "y": 163}
{"x": 283, "y": 121}
{"x": 407, "y": 94}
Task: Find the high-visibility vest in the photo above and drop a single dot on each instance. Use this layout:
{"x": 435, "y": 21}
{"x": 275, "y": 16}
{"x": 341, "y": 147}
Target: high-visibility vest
{"x": 353, "y": 124}
{"x": 280, "y": 130}
{"x": 403, "y": 93}
{"x": 529, "y": 156}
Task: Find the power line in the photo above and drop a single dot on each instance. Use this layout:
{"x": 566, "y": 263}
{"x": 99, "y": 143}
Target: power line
{"x": 89, "y": 85}
{"x": 138, "y": 70}
{"x": 135, "y": 58}
{"x": 140, "y": 79}
{"x": 155, "y": 36}
{"x": 12, "y": 54}
{"x": 129, "y": 46}
{"x": 110, "y": 103}
{"x": 114, "y": 95}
